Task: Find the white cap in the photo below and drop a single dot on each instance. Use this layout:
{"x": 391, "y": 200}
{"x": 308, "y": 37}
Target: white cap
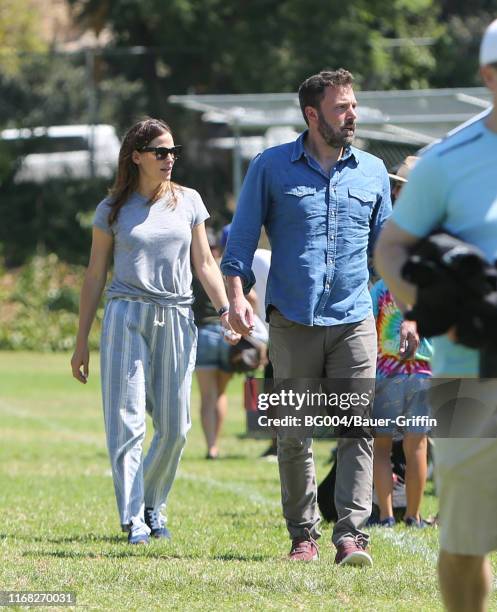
{"x": 488, "y": 47}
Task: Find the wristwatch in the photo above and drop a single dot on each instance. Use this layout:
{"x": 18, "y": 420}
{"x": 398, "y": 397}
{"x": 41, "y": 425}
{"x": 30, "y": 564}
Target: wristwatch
{"x": 223, "y": 311}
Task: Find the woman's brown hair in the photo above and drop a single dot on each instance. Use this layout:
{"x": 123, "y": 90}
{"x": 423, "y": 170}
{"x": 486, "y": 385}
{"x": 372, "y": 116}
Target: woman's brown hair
{"x": 138, "y": 136}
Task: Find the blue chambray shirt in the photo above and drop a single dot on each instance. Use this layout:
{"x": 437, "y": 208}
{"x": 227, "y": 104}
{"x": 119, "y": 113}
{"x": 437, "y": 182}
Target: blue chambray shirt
{"x": 321, "y": 229}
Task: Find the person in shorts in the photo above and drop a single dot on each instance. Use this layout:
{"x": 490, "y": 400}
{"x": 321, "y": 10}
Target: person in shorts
{"x": 212, "y": 368}
{"x": 403, "y": 365}
{"x": 401, "y": 401}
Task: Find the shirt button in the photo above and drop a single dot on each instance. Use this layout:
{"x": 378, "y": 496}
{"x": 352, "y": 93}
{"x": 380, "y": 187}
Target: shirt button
{"x": 327, "y": 285}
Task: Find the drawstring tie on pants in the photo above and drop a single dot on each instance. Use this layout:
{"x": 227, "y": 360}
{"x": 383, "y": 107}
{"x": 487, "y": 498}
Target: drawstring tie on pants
{"x": 160, "y": 310}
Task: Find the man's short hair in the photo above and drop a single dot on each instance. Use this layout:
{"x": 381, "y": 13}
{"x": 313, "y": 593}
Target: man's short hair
{"x": 313, "y": 89}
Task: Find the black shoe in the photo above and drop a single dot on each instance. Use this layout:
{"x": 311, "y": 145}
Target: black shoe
{"x": 412, "y": 521}
{"x": 157, "y": 524}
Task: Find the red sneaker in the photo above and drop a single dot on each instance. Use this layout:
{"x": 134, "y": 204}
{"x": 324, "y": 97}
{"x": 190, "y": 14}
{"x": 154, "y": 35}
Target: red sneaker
{"x": 304, "y": 548}
{"x": 353, "y": 552}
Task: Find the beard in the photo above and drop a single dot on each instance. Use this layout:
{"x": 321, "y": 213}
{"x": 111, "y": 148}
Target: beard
{"x": 336, "y": 138}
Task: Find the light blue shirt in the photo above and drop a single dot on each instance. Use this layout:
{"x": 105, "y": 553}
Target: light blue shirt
{"x": 454, "y": 187}
{"x": 321, "y": 228}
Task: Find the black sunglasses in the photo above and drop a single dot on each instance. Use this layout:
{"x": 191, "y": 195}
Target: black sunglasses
{"x": 162, "y": 152}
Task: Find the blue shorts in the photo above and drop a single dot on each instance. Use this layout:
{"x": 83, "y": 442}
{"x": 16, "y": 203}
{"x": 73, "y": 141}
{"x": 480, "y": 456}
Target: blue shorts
{"x": 403, "y": 400}
{"x": 212, "y": 350}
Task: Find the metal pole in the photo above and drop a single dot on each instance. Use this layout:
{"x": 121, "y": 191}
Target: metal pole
{"x": 92, "y": 105}
{"x": 237, "y": 159}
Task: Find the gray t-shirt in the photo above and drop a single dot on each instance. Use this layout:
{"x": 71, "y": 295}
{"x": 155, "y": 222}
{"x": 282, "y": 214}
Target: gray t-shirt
{"x": 152, "y": 247}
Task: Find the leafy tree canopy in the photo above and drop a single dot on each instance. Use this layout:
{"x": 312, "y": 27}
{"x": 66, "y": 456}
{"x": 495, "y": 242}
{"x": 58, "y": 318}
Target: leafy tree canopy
{"x": 268, "y": 45}
{"x": 19, "y": 34}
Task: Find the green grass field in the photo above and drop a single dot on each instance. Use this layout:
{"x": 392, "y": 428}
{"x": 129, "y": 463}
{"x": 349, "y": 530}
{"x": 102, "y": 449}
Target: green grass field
{"x": 60, "y": 530}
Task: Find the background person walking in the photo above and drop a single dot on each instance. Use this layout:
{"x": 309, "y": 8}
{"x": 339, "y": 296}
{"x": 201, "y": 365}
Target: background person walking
{"x": 402, "y": 367}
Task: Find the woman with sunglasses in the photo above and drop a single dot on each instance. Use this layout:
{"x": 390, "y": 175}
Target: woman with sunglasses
{"x": 152, "y": 228}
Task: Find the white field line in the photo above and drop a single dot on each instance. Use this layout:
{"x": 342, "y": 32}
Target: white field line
{"x": 15, "y": 411}
{"x": 410, "y": 542}
{"x": 407, "y": 541}
{"x": 12, "y": 410}
{"x": 240, "y": 490}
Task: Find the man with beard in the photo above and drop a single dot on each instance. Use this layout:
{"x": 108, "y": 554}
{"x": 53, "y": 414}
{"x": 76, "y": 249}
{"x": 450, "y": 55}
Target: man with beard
{"x": 323, "y": 203}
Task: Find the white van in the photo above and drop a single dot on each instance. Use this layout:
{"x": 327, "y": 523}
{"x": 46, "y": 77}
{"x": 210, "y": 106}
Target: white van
{"x": 65, "y": 150}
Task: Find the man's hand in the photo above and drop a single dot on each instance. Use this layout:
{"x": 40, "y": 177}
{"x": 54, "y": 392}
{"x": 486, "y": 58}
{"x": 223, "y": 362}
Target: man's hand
{"x": 409, "y": 339}
{"x": 229, "y": 334}
{"x": 241, "y": 316}
{"x": 81, "y": 358}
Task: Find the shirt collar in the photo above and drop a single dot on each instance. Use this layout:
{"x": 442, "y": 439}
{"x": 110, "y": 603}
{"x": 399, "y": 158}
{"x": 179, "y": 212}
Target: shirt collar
{"x": 298, "y": 149}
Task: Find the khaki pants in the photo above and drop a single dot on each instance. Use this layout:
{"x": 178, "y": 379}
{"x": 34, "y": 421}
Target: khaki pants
{"x": 339, "y": 351}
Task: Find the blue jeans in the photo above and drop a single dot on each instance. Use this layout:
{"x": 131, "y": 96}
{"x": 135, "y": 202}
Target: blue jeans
{"x": 212, "y": 350}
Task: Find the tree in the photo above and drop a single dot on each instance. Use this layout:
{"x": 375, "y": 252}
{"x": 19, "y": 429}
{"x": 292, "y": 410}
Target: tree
{"x": 19, "y": 34}
{"x": 457, "y": 51}
{"x": 375, "y": 39}
{"x": 463, "y": 8}
{"x": 219, "y": 46}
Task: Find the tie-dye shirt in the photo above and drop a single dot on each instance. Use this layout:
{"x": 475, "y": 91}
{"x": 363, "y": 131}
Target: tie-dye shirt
{"x": 388, "y": 321}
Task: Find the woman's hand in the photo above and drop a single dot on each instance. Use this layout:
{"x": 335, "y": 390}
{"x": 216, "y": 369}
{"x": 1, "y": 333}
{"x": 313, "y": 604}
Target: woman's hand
{"x": 229, "y": 334}
{"x": 81, "y": 359}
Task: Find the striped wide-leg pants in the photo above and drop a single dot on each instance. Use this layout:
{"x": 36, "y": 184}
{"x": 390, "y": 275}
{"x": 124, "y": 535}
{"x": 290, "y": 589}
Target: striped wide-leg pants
{"x": 147, "y": 359}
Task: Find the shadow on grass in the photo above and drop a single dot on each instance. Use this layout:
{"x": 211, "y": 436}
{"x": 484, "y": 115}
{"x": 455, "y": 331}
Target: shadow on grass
{"x": 76, "y": 539}
{"x": 143, "y": 553}
{"x": 221, "y": 459}
{"x": 240, "y": 557}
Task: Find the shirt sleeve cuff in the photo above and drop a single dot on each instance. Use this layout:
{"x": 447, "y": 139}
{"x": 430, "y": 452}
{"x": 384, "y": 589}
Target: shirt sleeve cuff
{"x": 239, "y": 269}
{"x": 104, "y": 227}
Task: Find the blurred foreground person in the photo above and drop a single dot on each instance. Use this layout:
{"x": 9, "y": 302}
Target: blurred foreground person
{"x": 454, "y": 188}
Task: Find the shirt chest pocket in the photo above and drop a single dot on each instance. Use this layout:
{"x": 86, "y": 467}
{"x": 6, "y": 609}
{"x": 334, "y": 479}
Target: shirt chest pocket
{"x": 361, "y": 203}
{"x": 303, "y": 201}
{"x": 299, "y": 191}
